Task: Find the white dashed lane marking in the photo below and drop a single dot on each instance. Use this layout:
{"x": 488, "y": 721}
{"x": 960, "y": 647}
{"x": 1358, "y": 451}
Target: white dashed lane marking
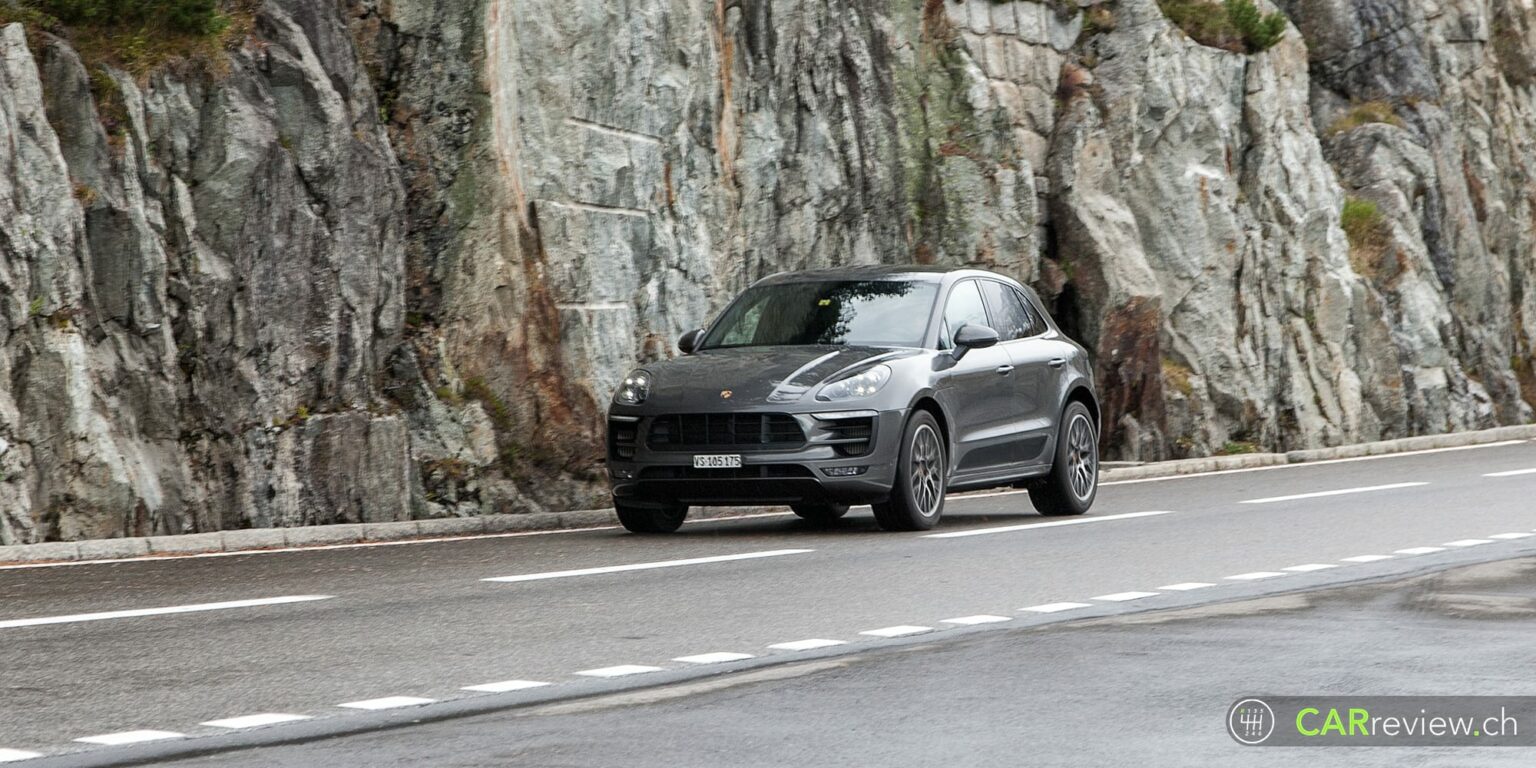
{"x": 619, "y": 671}
{"x": 1366, "y": 558}
{"x": 1466, "y": 542}
{"x": 255, "y": 721}
{"x": 1511, "y": 473}
{"x": 1309, "y": 567}
{"x": 1054, "y": 607}
{"x": 130, "y": 737}
{"x": 1185, "y": 586}
{"x": 1339, "y": 492}
{"x": 1419, "y": 550}
{"x": 1052, "y": 524}
{"x": 806, "y": 645}
{"x": 175, "y": 609}
{"x": 504, "y": 686}
{"x": 900, "y": 630}
{"x": 16, "y": 755}
{"x": 1255, "y": 576}
{"x": 713, "y": 658}
{"x": 984, "y": 618}
{"x": 647, "y": 566}
{"x": 388, "y": 702}
{"x": 1121, "y": 597}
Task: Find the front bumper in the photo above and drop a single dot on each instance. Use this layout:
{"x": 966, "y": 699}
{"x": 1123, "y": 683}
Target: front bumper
{"x": 648, "y": 476}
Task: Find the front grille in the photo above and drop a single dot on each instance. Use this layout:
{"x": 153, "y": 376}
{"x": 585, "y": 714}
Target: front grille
{"x": 622, "y": 437}
{"x": 754, "y": 472}
{"x": 851, "y": 437}
{"x": 733, "y": 431}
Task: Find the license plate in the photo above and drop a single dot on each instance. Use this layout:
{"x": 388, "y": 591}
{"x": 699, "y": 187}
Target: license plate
{"x": 717, "y": 461}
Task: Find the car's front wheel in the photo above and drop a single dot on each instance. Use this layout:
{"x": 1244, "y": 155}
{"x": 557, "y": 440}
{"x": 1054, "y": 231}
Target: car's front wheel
{"x": 819, "y": 513}
{"x": 651, "y": 520}
{"x": 917, "y": 499}
{"x": 1074, "y": 479}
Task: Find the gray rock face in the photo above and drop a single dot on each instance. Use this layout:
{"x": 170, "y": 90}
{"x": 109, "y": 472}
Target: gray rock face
{"x": 391, "y": 264}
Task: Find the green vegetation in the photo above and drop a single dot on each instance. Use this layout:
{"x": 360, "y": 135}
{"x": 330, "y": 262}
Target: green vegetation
{"x": 1233, "y": 25}
{"x": 140, "y": 36}
{"x": 1365, "y": 114}
{"x": 1177, "y": 375}
{"x": 1237, "y": 447}
{"x": 1367, "y": 232}
{"x": 188, "y": 17}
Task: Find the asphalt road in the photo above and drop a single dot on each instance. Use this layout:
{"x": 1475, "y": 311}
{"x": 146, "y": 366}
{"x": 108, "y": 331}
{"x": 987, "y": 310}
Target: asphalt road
{"x": 419, "y": 621}
{"x": 1149, "y": 687}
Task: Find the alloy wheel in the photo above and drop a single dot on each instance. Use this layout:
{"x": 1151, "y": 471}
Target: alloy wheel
{"x": 1082, "y": 457}
{"x": 927, "y": 471}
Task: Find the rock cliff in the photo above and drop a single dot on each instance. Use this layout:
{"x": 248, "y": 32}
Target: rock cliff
{"x": 383, "y": 259}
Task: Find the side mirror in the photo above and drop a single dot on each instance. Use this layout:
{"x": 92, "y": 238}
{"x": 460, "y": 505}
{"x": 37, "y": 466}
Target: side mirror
{"x": 971, "y": 336}
{"x": 690, "y": 341}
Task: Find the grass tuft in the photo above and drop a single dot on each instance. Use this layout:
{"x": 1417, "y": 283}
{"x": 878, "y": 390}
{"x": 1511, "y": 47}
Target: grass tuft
{"x": 1365, "y": 114}
{"x": 1233, "y": 25}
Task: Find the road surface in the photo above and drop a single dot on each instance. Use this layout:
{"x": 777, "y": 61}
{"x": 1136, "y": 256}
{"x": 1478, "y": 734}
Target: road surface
{"x": 401, "y": 632}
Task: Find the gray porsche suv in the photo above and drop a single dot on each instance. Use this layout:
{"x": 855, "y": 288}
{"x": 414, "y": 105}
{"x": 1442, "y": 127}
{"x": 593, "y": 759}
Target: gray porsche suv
{"x": 887, "y": 386}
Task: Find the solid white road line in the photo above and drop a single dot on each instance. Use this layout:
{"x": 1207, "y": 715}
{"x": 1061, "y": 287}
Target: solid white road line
{"x": 807, "y": 645}
{"x": 1185, "y": 586}
{"x": 900, "y": 630}
{"x": 1339, "y": 492}
{"x": 14, "y": 623}
{"x": 1309, "y": 567}
{"x": 388, "y": 702}
{"x": 983, "y": 618}
{"x": 1052, "y": 524}
{"x": 1121, "y": 597}
{"x": 1305, "y": 464}
{"x": 1510, "y": 536}
{"x": 718, "y": 657}
{"x": 130, "y": 737}
{"x": 255, "y": 721}
{"x": 1418, "y": 550}
{"x": 1365, "y": 558}
{"x": 505, "y": 686}
{"x": 1466, "y": 542}
{"x": 1255, "y": 576}
{"x": 619, "y": 671}
{"x": 1054, "y": 607}
{"x": 1511, "y": 473}
{"x": 648, "y": 566}
{"x": 16, "y": 755}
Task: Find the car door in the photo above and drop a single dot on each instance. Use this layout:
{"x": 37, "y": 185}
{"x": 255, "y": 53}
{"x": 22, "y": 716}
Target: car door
{"x": 1020, "y": 331}
{"x": 978, "y": 388}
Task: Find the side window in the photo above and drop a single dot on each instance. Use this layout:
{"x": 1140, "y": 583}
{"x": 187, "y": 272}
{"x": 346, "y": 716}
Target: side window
{"x": 964, "y": 307}
{"x": 1037, "y": 323}
{"x": 1013, "y": 320}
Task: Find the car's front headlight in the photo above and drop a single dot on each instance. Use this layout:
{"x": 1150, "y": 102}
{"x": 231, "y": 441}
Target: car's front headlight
{"x": 858, "y": 385}
{"x": 635, "y": 389}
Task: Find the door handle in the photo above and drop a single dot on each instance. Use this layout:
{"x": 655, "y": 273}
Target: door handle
{"x": 1005, "y": 369}
{"x": 1057, "y": 362}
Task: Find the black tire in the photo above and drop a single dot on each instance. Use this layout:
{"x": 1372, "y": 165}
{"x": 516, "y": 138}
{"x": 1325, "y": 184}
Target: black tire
{"x": 820, "y": 513}
{"x": 648, "y": 520}
{"x": 917, "y": 498}
{"x": 1074, "y": 480}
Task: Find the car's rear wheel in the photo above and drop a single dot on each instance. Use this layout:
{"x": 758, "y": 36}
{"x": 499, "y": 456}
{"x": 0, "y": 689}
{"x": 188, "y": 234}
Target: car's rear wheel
{"x": 1074, "y": 479}
{"x": 917, "y": 499}
{"x": 651, "y": 520}
{"x": 820, "y": 513}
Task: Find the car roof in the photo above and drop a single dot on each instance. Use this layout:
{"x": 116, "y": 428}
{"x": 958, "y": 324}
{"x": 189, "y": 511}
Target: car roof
{"x": 926, "y": 272}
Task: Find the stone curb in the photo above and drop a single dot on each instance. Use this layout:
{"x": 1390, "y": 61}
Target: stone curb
{"x": 353, "y": 533}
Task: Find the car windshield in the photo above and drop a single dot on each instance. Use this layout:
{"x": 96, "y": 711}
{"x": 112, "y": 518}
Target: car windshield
{"x": 877, "y": 313}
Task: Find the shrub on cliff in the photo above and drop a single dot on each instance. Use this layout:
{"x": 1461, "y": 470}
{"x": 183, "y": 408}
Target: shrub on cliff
{"x": 1233, "y": 25}
{"x": 192, "y": 17}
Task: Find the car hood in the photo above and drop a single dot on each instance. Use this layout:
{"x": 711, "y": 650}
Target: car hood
{"x": 756, "y": 375}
